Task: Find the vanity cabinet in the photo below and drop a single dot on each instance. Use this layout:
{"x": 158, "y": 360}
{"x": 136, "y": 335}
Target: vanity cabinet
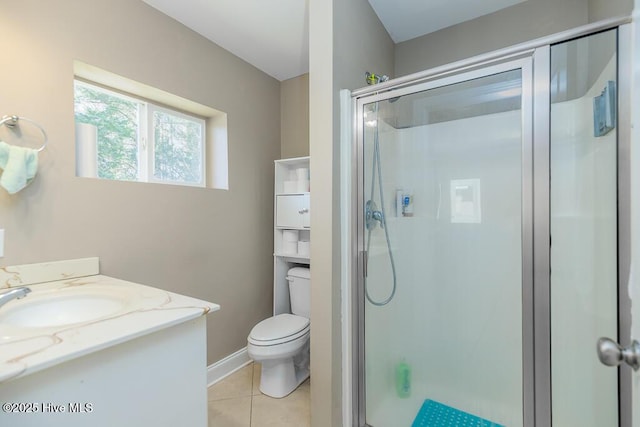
{"x": 119, "y": 355}
{"x": 292, "y": 225}
{"x": 124, "y": 385}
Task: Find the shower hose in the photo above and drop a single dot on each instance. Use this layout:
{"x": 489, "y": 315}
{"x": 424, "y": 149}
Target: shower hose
{"x": 377, "y": 169}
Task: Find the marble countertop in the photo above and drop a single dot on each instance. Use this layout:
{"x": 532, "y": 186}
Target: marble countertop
{"x": 140, "y": 310}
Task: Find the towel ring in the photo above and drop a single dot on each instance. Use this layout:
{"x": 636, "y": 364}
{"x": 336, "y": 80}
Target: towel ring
{"x": 12, "y": 121}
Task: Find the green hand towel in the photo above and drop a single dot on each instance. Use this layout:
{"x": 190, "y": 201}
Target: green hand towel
{"x": 19, "y": 165}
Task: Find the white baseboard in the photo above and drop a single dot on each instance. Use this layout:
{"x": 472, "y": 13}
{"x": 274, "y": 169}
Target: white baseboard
{"x": 227, "y": 366}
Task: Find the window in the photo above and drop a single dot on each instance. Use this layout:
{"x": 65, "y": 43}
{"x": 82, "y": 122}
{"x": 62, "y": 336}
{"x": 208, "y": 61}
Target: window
{"x": 132, "y": 139}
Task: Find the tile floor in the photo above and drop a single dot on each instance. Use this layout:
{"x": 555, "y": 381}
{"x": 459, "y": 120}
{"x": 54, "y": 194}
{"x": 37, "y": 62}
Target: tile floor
{"x": 236, "y": 401}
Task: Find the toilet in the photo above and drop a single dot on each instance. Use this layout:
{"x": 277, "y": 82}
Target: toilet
{"x": 281, "y": 343}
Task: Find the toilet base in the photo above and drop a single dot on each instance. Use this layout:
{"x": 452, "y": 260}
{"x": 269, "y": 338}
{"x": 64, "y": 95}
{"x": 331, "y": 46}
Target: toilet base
{"x": 280, "y": 377}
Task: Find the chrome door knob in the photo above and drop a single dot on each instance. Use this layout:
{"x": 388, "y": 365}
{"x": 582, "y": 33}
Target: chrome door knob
{"x": 611, "y": 353}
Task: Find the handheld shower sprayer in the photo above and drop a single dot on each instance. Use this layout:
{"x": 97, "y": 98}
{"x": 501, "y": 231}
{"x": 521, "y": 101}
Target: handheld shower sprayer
{"x": 373, "y": 216}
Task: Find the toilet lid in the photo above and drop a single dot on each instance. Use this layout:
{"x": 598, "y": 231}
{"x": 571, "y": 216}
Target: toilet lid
{"x": 279, "y": 329}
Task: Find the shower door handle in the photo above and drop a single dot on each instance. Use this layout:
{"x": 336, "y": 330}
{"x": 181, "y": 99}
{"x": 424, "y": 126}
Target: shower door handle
{"x": 364, "y": 256}
{"x": 611, "y": 353}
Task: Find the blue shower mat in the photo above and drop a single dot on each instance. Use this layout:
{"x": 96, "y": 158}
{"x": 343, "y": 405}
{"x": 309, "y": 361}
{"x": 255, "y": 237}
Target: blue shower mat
{"x": 435, "y": 414}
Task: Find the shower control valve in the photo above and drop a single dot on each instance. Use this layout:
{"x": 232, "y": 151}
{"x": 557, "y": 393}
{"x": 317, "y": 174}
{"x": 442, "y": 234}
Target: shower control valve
{"x": 372, "y": 214}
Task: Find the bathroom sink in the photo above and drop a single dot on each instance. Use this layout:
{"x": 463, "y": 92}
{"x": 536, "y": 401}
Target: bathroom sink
{"x": 41, "y": 309}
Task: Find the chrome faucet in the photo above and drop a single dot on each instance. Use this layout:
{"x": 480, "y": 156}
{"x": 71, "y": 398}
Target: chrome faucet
{"x": 16, "y": 293}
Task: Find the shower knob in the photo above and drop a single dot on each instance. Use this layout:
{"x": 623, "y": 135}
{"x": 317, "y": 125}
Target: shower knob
{"x": 373, "y": 215}
{"x": 611, "y": 353}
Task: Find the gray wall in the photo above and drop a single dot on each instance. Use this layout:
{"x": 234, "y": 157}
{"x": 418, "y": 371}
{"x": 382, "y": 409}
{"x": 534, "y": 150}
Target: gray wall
{"x": 211, "y": 244}
{"x": 602, "y": 9}
{"x": 516, "y": 24}
{"x": 294, "y": 117}
{"x": 346, "y": 39}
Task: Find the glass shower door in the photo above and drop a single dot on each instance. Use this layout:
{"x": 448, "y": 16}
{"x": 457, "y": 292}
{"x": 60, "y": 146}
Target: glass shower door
{"x": 446, "y": 173}
{"x": 584, "y": 228}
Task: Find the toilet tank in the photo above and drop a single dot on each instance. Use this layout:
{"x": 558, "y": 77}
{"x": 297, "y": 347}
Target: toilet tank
{"x": 299, "y": 279}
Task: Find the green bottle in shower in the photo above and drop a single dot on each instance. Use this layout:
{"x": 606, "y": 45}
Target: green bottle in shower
{"x": 403, "y": 379}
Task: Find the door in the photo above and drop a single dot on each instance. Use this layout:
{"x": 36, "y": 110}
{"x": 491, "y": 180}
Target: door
{"x": 589, "y": 227}
{"x": 494, "y": 242}
{"x": 447, "y": 241}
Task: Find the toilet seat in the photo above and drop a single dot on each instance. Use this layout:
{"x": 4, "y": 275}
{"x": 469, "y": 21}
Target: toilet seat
{"x": 279, "y": 329}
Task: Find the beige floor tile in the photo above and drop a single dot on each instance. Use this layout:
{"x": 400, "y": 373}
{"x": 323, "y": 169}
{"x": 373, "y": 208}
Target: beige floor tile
{"x": 230, "y": 412}
{"x": 306, "y": 386}
{"x": 239, "y": 384}
{"x": 290, "y": 411}
{"x": 257, "y": 369}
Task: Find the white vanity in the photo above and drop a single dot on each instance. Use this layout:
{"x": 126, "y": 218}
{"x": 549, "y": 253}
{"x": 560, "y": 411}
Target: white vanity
{"x": 83, "y": 349}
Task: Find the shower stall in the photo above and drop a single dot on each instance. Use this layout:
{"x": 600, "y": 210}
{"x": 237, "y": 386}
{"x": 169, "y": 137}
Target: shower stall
{"x": 489, "y": 245}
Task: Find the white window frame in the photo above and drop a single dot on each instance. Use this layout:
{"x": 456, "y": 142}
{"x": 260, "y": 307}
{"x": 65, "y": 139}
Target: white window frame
{"x": 146, "y": 136}
{"x": 151, "y": 164}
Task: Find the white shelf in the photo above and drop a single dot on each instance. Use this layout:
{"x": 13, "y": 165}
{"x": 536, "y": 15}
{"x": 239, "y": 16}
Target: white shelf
{"x": 285, "y": 170}
{"x": 294, "y": 194}
{"x": 294, "y": 215}
{"x": 294, "y": 258}
{"x": 294, "y": 162}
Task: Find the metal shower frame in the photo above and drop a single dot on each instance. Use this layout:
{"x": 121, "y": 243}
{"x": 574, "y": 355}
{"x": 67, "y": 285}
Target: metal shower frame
{"x": 533, "y": 58}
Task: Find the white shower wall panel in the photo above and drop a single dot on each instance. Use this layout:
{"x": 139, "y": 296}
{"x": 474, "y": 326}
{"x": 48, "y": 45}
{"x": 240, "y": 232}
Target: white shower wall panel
{"x": 456, "y": 317}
